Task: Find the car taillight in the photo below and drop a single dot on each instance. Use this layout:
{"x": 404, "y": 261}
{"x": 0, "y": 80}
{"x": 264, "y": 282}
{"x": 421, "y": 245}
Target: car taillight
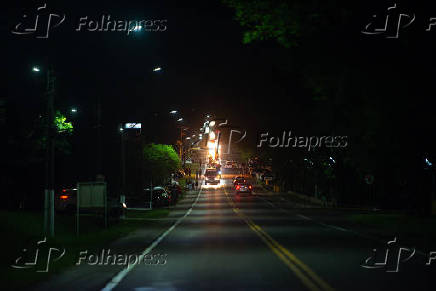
{"x": 249, "y": 186}
{"x": 64, "y": 197}
{"x": 237, "y": 187}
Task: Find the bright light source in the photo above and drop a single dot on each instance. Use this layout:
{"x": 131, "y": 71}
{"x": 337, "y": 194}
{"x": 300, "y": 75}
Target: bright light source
{"x": 74, "y": 110}
{"x": 208, "y": 116}
{"x": 36, "y": 69}
{"x": 207, "y": 130}
{"x": 331, "y": 159}
{"x": 157, "y": 69}
{"x": 193, "y": 135}
{"x": 212, "y": 123}
{"x": 188, "y": 137}
{"x": 173, "y": 111}
{"x": 428, "y": 162}
{"x": 211, "y": 135}
{"x": 121, "y": 129}
{"x": 180, "y": 119}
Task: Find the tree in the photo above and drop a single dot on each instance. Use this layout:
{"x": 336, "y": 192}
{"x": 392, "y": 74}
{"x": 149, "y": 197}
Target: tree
{"x": 356, "y": 85}
{"x": 160, "y": 161}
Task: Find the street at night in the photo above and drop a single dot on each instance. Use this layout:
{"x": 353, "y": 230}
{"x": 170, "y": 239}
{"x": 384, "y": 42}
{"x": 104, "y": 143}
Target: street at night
{"x": 218, "y": 145}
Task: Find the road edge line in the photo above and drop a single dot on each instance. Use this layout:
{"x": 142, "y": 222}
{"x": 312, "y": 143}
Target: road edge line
{"x": 123, "y": 273}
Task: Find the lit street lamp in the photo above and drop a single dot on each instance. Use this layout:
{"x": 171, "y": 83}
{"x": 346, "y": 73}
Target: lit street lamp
{"x": 49, "y": 153}
{"x": 157, "y": 69}
{"x": 173, "y": 111}
{"x": 180, "y": 119}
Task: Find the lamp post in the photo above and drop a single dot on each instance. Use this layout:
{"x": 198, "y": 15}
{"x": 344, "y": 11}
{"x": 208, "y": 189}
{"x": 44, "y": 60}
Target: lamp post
{"x": 49, "y": 152}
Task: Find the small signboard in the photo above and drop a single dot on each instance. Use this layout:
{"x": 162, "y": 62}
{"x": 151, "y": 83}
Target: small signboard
{"x": 132, "y": 125}
{"x": 91, "y": 195}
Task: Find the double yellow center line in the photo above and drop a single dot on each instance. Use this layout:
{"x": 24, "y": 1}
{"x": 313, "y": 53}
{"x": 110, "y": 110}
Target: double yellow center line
{"x": 308, "y": 277}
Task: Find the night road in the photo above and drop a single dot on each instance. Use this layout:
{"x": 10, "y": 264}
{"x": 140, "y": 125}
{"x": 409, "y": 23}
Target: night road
{"x": 218, "y": 145}
{"x": 243, "y": 242}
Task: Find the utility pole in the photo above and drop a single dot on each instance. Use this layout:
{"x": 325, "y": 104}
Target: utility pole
{"x": 99, "y": 138}
{"x": 181, "y": 143}
{"x": 123, "y": 166}
{"x": 49, "y": 156}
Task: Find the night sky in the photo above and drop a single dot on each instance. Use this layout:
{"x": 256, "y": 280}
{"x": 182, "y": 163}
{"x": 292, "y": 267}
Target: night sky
{"x": 206, "y": 69}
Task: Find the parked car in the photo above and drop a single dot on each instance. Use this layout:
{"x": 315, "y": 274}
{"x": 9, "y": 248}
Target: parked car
{"x": 159, "y": 197}
{"x": 174, "y": 191}
{"x": 66, "y": 202}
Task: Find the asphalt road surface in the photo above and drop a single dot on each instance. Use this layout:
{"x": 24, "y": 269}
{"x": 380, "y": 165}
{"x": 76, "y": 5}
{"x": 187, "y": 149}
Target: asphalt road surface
{"x": 250, "y": 242}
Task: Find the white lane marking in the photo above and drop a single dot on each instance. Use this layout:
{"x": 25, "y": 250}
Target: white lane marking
{"x": 120, "y": 276}
{"x": 304, "y": 217}
{"x": 334, "y": 227}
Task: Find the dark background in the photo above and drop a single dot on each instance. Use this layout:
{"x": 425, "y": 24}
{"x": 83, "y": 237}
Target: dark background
{"x": 207, "y": 69}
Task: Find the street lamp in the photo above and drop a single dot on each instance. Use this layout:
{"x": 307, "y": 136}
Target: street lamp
{"x": 180, "y": 119}
{"x": 73, "y": 110}
{"x": 173, "y": 111}
{"x": 49, "y": 153}
{"x": 157, "y": 69}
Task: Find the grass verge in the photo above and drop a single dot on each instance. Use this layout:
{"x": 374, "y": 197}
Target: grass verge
{"x": 21, "y": 230}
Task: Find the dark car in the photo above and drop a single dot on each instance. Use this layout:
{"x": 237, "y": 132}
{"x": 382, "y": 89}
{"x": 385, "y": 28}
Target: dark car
{"x": 243, "y": 188}
{"x": 159, "y": 197}
{"x": 174, "y": 191}
{"x": 65, "y": 200}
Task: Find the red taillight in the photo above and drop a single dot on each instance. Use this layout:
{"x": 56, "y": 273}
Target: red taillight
{"x": 249, "y": 186}
{"x": 64, "y": 197}
{"x": 237, "y": 187}
{"x": 64, "y": 190}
